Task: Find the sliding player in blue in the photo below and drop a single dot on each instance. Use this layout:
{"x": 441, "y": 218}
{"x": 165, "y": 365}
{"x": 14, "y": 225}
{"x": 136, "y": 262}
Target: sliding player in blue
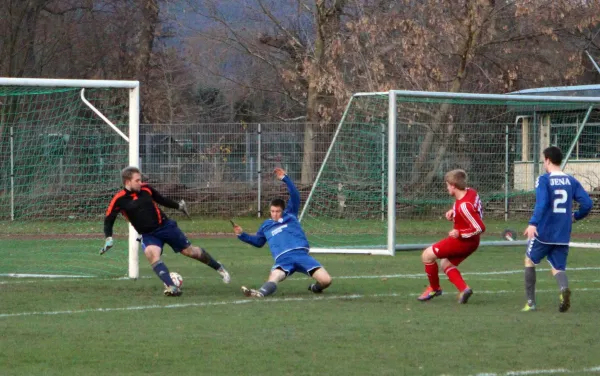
{"x": 287, "y": 242}
{"x": 549, "y": 230}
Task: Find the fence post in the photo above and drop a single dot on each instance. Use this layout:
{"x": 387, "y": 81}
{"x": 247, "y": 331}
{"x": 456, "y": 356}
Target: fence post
{"x": 258, "y": 170}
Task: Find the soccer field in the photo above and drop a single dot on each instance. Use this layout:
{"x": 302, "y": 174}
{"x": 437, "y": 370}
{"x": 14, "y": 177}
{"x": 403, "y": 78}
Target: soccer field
{"x": 368, "y": 323}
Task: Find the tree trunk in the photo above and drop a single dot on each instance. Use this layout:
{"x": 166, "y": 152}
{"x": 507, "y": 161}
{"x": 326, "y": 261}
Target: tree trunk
{"x": 442, "y": 114}
{"x": 327, "y": 25}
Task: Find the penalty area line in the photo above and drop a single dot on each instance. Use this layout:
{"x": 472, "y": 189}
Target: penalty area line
{"x": 251, "y": 300}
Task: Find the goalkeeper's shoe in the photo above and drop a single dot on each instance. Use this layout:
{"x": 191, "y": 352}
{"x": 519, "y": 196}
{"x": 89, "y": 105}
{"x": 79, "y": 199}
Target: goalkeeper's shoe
{"x": 224, "y": 274}
{"x": 172, "y": 291}
{"x": 252, "y": 293}
{"x": 464, "y": 296}
{"x": 429, "y": 293}
{"x": 565, "y": 300}
{"x": 529, "y": 306}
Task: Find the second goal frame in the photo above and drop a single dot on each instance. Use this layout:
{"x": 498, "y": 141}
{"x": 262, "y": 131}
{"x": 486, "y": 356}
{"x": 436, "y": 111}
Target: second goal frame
{"x": 585, "y": 105}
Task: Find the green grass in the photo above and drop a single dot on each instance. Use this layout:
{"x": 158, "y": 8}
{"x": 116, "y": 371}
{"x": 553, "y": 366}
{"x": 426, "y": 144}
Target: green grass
{"x": 367, "y": 323}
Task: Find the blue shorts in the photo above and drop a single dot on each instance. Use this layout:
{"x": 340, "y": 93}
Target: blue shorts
{"x": 167, "y": 233}
{"x": 555, "y": 253}
{"x": 296, "y": 261}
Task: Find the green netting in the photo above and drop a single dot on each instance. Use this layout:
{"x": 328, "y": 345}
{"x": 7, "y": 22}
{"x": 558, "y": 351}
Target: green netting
{"x": 59, "y": 165}
{"x": 498, "y": 143}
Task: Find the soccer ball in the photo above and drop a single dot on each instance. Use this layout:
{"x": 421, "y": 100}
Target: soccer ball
{"x": 177, "y": 279}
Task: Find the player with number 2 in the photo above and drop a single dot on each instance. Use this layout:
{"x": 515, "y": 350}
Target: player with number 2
{"x": 549, "y": 230}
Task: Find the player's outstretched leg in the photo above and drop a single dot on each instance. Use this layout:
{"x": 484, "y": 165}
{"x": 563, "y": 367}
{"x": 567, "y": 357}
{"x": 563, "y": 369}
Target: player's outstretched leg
{"x": 323, "y": 281}
{"x": 203, "y": 256}
{"x": 431, "y": 269}
{"x": 268, "y": 288}
{"x": 464, "y": 291}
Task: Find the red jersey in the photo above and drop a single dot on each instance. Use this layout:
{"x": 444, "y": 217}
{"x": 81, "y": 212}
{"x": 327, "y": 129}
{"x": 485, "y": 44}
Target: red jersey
{"x": 468, "y": 214}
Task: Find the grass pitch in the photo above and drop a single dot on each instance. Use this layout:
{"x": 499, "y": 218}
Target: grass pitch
{"x": 368, "y": 323}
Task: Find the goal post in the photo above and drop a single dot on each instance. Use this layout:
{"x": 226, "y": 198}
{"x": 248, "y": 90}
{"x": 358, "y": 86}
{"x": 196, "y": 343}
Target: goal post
{"x": 380, "y": 187}
{"x": 65, "y": 138}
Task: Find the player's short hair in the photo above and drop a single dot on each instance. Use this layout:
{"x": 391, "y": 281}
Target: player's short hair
{"x": 127, "y": 173}
{"x": 457, "y": 178}
{"x": 279, "y": 203}
{"x": 554, "y": 154}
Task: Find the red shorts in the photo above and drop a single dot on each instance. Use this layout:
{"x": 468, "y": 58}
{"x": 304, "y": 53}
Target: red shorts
{"x": 456, "y": 250}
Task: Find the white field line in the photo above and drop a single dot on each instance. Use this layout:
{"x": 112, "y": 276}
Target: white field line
{"x": 421, "y": 275}
{"x": 24, "y": 275}
{"x": 553, "y": 371}
{"x": 41, "y": 277}
{"x": 253, "y": 300}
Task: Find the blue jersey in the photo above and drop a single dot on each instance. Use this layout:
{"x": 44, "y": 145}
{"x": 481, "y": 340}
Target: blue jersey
{"x": 553, "y": 211}
{"x": 284, "y": 235}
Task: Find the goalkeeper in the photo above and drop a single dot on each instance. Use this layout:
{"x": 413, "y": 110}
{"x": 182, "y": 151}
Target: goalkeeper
{"x": 287, "y": 242}
{"x": 138, "y": 204}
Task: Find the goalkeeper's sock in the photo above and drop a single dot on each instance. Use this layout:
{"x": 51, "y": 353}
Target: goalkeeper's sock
{"x": 456, "y": 278}
{"x": 561, "y": 279}
{"x": 530, "y": 279}
{"x": 206, "y": 258}
{"x": 432, "y": 275}
{"x": 268, "y": 288}
{"x": 162, "y": 272}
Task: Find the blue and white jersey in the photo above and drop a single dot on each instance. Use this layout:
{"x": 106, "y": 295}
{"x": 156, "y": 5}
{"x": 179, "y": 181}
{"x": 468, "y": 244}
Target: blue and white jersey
{"x": 284, "y": 235}
{"x": 553, "y": 211}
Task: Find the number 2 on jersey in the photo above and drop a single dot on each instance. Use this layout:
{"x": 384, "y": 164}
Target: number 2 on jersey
{"x": 561, "y": 197}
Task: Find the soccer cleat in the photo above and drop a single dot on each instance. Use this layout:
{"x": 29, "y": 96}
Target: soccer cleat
{"x": 310, "y": 288}
{"x": 252, "y": 293}
{"x": 529, "y": 306}
{"x": 224, "y": 274}
{"x": 172, "y": 291}
{"x": 565, "y": 300}
{"x": 429, "y": 293}
{"x": 464, "y": 296}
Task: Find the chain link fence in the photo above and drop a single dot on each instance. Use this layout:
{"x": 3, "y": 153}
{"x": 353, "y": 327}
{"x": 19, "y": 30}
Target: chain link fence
{"x": 226, "y": 169}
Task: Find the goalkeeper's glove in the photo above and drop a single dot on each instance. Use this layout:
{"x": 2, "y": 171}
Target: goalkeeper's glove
{"x": 183, "y": 208}
{"x": 108, "y": 243}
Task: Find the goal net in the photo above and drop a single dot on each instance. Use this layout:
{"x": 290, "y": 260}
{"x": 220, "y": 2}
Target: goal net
{"x": 381, "y": 188}
{"x": 62, "y": 148}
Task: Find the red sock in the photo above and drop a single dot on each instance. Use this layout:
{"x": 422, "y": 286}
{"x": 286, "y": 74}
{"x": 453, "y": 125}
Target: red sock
{"x": 432, "y": 274}
{"x": 455, "y": 277}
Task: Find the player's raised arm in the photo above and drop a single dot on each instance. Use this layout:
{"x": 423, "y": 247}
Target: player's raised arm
{"x": 293, "y": 204}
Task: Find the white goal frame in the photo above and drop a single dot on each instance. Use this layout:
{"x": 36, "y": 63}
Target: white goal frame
{"x": 391, "y": 247}
{"x": 133, "y": 125}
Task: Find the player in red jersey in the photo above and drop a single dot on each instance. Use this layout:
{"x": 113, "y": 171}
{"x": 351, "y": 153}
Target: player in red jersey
{"x": 463, "y": 240}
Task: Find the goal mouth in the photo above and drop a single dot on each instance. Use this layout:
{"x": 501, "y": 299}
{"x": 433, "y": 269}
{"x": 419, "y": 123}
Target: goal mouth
{"x": 61, "y": 164}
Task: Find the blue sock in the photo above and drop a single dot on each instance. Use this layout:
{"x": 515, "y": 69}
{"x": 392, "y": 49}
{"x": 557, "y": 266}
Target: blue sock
{"x": 162, "y": 272}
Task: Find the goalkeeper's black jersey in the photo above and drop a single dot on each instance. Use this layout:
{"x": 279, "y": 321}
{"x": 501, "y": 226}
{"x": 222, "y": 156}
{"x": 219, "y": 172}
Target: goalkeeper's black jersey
{"x": 139, "y": 208}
